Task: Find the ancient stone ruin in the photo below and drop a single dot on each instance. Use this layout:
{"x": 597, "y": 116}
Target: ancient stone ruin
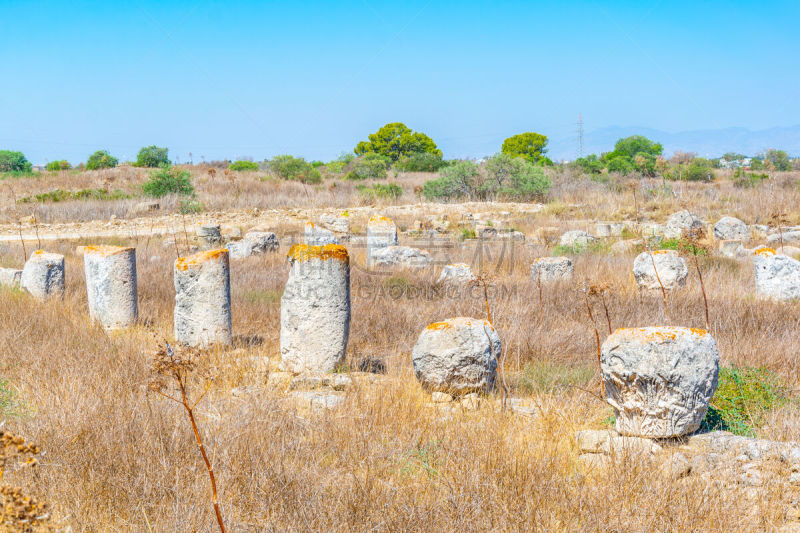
{"x": 681, "y": 223}
{"x": 315, "y": 309}
{"x": 777, "y": 276}
{"x": 43, "y": 275}
{"x": 381, "y": 233}
{"x": 210, "y": 236}
{"x": 659, "y": 380}
{"x": 315, "y": 235}
{"x": 111, "y": 285}
{"x": 576, "y": 238}
{"x": 203, "y": 298}
{"x": 400, "y": 256}
{"x": 253, "y": 243}
{"x": 10, "y": 277}
{"x": 457, "y": 356}
{"x": 731, "y": 228}
{"x": 670, "y": 270}
{"x": 549, "y": 269}
{"x": 456, "y": 273}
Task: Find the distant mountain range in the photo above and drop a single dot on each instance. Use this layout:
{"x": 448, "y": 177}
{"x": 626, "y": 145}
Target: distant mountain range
{"x": 706, "y": 143}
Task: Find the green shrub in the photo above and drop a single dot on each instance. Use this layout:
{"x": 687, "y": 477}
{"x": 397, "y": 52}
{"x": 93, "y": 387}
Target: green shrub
{"x": 101, "y": 159}
{"x": 189, "y": 206}
{"x": 467, "y": 233}
{"x": 743, "y": 179}
{"x": 700, "y": 170}
{"x": 743, "y": 398}
{"x": 14, "y": 162}
{"x": 60, "y": 195}
{"x": 370, "y": 166}
{"x": 458, "y": 180}
{"x": 152, "y": 157}
{"x": 420, "y": 162}
{"x": 243, "y": 165}
{"x": 620, "y": 164}
{"x": 55, "y": 166}
{"x": 294, "y": 168}
{"x": 168, "y": 180}
{"x": 591, "y": 164}
{"x": 379, "y": 190}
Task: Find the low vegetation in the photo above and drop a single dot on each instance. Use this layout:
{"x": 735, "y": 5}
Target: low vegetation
{"x": 168, "y": 180}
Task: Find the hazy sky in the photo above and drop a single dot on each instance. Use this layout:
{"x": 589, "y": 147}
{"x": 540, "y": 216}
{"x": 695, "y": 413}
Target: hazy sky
{"x": 237, "y": 78}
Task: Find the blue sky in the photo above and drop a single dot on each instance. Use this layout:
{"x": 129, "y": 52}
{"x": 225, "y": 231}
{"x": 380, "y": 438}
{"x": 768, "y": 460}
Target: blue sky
{"x": 240, "y": 78}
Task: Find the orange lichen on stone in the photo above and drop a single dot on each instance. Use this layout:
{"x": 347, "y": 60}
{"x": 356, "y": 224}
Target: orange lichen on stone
{"x": 183, "y": 263}
{"x": 660, "y": 333}
{"x": 439, "y": 325}
{"x": 460, "y": 321}
{"x": 764, "y": 251}
{"x": 305, "y": 252}
{"x": 310, "y": 224}
{"x": 39, "y": 252}
{"x": 104, "y": 250}
{"x": 380, "y": 219}
{"x": 658, "y": 252}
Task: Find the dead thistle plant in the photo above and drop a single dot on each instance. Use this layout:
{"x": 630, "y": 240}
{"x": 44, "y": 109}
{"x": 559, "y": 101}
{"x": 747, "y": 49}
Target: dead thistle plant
{"x": 596, "y": 333}
{"x": 484, "y": 280}
{"x": 691, "y": 245}
{"x": 20, "y": 512}
{"x": 170, "y": 375}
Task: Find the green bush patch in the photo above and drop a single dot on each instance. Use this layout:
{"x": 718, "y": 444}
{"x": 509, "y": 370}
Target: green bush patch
{"x": 168, "y": 180}
{"x": 60, "y": 195}
{"x": 743, "y": 398}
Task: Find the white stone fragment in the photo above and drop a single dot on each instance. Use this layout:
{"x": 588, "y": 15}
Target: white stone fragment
{"x": 400, "y": 256}
{"x": 203, "y": 299}
{"x": 456, "y": 273}
{"x": 315, "y": 235}
{"x": 315, "y": 309}
{"x": 338, "y": 224}
{"x": 210, "y": 236}
{"x": 10, "y": 278}
{"x": 458, "y": 356}
{"x": 43, "y": 275}
{"x": 680, "y": 223}
{"x": 731, "y": 228}
{"x": 659, "y": 380}
{"x": 784, "y": 236}
{"x": 576, "y": 238}
{"x": 670, "y": 269}
{"x": 548, "y": 269}
{"x": 777, "y": 276}
{"x": 381, "y": 233}
{"x": 111, "y": 285}
{"x": 253, "y": 243}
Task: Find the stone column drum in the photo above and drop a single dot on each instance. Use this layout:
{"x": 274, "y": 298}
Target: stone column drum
{"x": 659, "y": 380}
{"x": 43, "y": 275}
{"x": 111, "y": 285}
{"x": 203, "y": 298}
{"x": 381, "y": 232}
{"x": 315, "y": 308}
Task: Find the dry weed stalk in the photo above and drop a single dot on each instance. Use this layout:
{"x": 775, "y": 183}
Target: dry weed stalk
{"x": 170, "y": 368}
{"x": 20, "y": 512}
{"x": 596, "y": 333}
{"x": 484, "y": 280}
{"x": 692, "y": 245}
{"x": 600, "y": 290}
{"x": 780, "y": 220}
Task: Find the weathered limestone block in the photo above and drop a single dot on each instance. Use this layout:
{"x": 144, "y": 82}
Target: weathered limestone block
{"x": 777, "y": 276}
{"x": 317, "y": 236}
{"x": 576, "y": 238}
{"x": 111, "y": 285}
{"x": 731, "y": 228}
{"x": 338, "y": 224}
{"x": 210, "y": 236}
{"x": 609, "y": 229}
{"x": 203, "y": 299}
{"x": 731, "y": 248}
{"x": 10, "y": 278}
{"x": 315, "y": 308}
{"x": 43, "y": 275}
{"x": 253, "y": 243}
{"x": 400, "y": 256}
{"x": 456, "y": 273}
{"x": 549, "y": 269}
{"x": 792, "y": 236}
{"x": 680, "y": 223}
{"x": 381, "y": 232}
{"x": 659, "y": 380}
{"x": 457, "y": 356}
{"x": 670, "y": 269}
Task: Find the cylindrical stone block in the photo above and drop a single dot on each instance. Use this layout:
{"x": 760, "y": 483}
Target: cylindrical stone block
{"x": 111, "y": 285}
{"x": 43, "y": 275}
{"x": 315, "y": 308}
{"x": 381, "y": 232}
{"x": 203, "y": 299}
{"x": 210, "y": 236}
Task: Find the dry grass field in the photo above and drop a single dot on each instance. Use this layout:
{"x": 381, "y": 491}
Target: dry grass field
{"x": 118, "y": 458}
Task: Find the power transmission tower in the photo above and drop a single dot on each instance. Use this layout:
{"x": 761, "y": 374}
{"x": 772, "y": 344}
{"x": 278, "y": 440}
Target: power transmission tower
{"x": 580, "y": 135}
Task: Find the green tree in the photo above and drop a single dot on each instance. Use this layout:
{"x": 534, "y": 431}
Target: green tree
{"x": 58, "y": 165}
{"x": 699, "y": 169}
{"x": 152, "y": 157}
{"x": 396, "y": 140}
{"x": 168, "y": 180}
{"x": 591, "y": 164}
{"x": 629, "y": 147}
{"x": 619, "y": 164}
{"x": 101, "y": 159}
{"x": 531, "y": 146}
{"x": 460, "y": 179}
{"x": 514, "y": 178}
{"x": 14, "y": 162}
{"x": 368, "y": 166}
{"x": 779, "y": 159}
